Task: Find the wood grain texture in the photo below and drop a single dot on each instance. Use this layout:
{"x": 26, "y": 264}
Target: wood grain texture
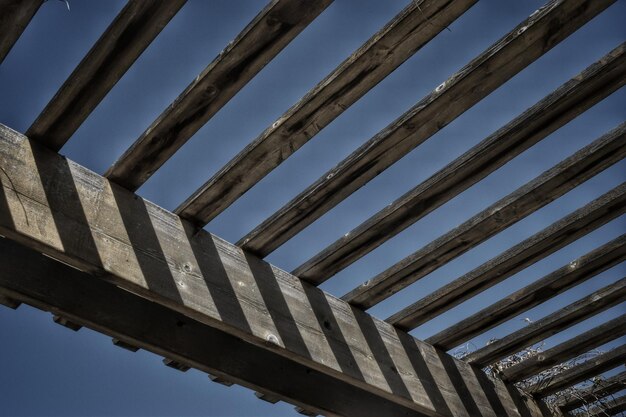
{"x": 133, "y": 29}
{"x": 57, "y": 207}
{"x": 15, "y": 15}
{"x": 268, "y": 33}
{"x": 592, "y": 394}
{"x": 549, "y": 325}
{"x": 567, "y": 350}
{"x": 527, "y": 42}
{"x": 543, "y": 243}
{"x": 569, "y": 275}
{"x": 406, "y": 33}
{"x": 580, "y": 372}
{"x": 547, "y": 187}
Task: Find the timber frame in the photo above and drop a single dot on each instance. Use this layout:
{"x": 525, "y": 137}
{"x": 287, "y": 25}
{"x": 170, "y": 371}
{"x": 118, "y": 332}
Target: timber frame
{"x": 88, "y": 249}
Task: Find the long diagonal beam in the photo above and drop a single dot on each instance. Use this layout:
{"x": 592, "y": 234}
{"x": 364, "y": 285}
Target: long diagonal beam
{"x": 548, "y": 186}
{"x": 601, "y": 389}
{"x": 63, "y": 210}
{"x": 132, "y": 31}
{"x": 568, "y": 101}
{"x": 567, "y": 350}
{"x": 541, "y": 244}
{"x": 406, "y": 33}
{"x": 15, "y": 15}
{"x": 553, "y": 284}
{"x": 268, "y": 33}
{"x": 527, "y": 42}
{"x": 551, "y": 324}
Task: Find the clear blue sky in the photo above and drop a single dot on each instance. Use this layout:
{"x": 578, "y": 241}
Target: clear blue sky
{"x": 47, "y": 370}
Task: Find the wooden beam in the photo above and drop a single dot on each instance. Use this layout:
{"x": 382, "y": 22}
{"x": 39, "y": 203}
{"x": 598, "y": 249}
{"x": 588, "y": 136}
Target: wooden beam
{"x": 550, "y": 185}
{"x": 15, "y": 15}
{"x": 580, "y": 372}
{"x": 551, "y": 324}
{"x": 567, "y": 350}
{"x": 599, "y": 390}
{"x": 404, "y": 35}
{"x": 571, "y": 99}
{"x": 268, "y": 33}
{"x": 569, "y": 275}
{"x": 527, "y": 42}
{"x": 133, "y": 29}
{"x": 538, "y": 246}
{"x": 64, "y": 210}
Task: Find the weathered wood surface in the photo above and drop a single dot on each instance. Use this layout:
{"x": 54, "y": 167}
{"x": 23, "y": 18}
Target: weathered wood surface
{"x": 536, "y": 123}
{"x": 14, "y": 17}
{"x": 548, "y": 186}
{"x": 567, "y": 350}
{"x": 543, "y": 243}
{"x": 549, "y": 325}
{"x": 406, "y": 33}
{"x": 603, "y": 389}
{"x": 580, "y": 372}
{"x": 268, "y": 33}
{"x": 133, "y": 29}
{"x": 527, "y": 42}
{"x": 569, "y": 275}
{"x": 57, "y": 207}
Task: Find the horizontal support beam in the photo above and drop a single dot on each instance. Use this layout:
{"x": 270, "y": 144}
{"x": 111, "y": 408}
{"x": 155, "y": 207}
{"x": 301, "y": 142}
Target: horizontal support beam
{"x": 547, "y": 187}
{"x": 133, "y": 29}
{"x": 549, "y": 325}
{"x": 568, "y": 101}
{"x": 600, "y": 389}
{"x": 543, "y": 243}
{"x": 64, "y": 210}
{"x": 15, "y": 15}
{"x": 260, "y": 41}
{"x": 519, "y": 48}
{"x": 567, "y": 350}
{"x": 572, "y": 376}
{"x": 404, "y": 35}
{"x": 553, "y": 284}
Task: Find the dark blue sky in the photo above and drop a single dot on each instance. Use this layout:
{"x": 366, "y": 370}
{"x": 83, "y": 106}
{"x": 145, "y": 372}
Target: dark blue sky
{"x": 48, "y": 370}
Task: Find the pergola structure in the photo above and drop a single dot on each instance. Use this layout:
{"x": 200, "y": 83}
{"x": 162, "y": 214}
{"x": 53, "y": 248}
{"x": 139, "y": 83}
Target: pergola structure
{"x": 87, "y": 248}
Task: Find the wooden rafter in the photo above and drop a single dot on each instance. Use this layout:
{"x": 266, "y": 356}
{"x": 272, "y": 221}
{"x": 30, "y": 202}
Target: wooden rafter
{"x": 594, "y": 393}
{"x": 268, "y": 33}
{"x": 15, "y": 15}
{"x": 516, "y": 50}
{"x": 404, "y": 35}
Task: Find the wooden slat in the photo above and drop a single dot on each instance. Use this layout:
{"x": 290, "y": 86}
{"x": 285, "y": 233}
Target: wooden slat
{"x": 601, "y": 389}
{"x": 72, "y": 214}
{"x": 527, "y": 42}
{"x": 15, "y": 15}
{"x": 134, "y": 28}
{"x": 268, "y": 33}
{"x": 567, "y": 350}
{"x": 548, "y": 186}
{"x": 575, "y": 272}
{"x": 551, "y": 324}
{"x": 541, "y": 244}
{"x": 536, "y": 123}
{"x": 406, "y": 33}
{"x": 581, "y": 372}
